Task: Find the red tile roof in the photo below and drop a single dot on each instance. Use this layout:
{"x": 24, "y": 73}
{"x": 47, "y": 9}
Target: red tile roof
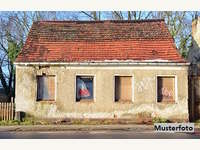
{"x": 80, "y": 41}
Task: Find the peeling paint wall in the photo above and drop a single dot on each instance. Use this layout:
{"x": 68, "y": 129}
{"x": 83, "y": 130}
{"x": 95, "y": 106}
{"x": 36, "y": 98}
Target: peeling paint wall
{"x": 65, "y": 105}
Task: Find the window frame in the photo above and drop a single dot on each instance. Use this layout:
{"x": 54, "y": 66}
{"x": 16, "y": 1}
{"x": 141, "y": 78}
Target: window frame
{"x": 94, "y": 88}
{"x": 132, "y": 87}
{"x": 175, "y": 88}
{"x": 55, "y": 84}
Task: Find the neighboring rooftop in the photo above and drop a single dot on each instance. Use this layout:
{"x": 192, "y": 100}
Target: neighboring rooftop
{"x": 85, "y": 41}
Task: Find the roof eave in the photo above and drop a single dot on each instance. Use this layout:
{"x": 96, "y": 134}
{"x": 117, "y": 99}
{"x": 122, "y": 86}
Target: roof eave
{"x": 105, "y": 63}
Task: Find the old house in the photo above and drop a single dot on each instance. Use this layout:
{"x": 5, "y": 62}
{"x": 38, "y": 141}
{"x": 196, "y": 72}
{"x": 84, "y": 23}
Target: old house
{"x": 101, "y": 69}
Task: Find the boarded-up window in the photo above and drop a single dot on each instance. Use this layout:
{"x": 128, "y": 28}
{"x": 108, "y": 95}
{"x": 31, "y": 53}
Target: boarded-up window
{"x": 46, "y": 87}
{"x": 166, "y": 89}
{"x": 84, "y": 88}
{"x": 123, "y": 88}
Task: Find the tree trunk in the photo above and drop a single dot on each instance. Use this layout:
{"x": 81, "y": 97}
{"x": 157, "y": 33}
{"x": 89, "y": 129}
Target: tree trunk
{"x": 10, "y": 81}
{"x": 3, "y": 82}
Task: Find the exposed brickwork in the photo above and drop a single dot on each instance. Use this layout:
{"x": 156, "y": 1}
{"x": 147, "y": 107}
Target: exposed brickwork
{"x": 78, "y": 41}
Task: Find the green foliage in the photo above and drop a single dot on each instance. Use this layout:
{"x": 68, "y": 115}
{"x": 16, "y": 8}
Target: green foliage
{"x": 160, "y": 120}
{"x": 197, "y": 121}
{"x": 184, "y": 54}
{"x": 23, "y": 122}
{"x": 143, "y": 115}
{"x": 13, "y": 49}
{"x": 91, "y": 122}
{"x": 16, "y": 122}
{"x": 179, "y": 25}
{"x": 28, "y": 120}
{"x": 9, "y": 123}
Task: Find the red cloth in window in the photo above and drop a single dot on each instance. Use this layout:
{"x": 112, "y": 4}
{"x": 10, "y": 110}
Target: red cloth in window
{"x": 82, "y": 89}
{"x": 84, "y": 93}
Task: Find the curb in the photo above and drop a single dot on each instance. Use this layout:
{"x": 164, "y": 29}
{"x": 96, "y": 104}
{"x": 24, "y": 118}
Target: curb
{"x": 75, "y": 128}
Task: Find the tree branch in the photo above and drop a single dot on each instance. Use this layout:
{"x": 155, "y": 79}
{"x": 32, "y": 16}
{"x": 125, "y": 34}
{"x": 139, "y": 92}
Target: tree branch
{"x": 88, "y": 15}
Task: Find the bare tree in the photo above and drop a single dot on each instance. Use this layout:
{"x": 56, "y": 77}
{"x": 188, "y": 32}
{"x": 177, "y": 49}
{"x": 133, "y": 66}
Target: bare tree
{"x": 14, "y": 27}
{"x": 131, "y": 15}
{"x": 179, "y": 25}
{"x": 93, "y": 15}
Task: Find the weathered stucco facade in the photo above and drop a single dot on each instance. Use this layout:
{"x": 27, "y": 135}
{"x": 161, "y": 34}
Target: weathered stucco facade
{"x": 144, "y": 92}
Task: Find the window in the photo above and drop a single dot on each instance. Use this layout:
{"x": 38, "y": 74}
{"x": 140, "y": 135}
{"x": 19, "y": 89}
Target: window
{"x": 165, "y": 89}
{"x": 45, "y": 87}
{"x": 123, "y": 88}
{"x": 84, "y": 88}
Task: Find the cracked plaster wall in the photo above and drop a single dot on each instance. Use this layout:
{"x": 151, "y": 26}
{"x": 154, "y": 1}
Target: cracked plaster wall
{"x": 144, "y": 99}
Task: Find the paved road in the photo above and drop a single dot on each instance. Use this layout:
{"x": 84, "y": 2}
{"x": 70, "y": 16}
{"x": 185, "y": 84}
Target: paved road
{"x": 96, "y": 135}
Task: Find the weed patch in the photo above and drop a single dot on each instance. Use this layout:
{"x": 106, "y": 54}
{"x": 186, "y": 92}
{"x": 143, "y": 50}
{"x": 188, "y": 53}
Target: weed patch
{"x": 160, "y": 120}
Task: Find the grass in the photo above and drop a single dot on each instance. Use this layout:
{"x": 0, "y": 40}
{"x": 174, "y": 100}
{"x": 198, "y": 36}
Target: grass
{"x": 9, "y": 122}
{"x": 16, "y": 122}
{"x": 160, "y": 120}
{"x": 27, "y": 120}
{"x": 90, "y": 122}
{"x": 30, "y": 120}
{"x": 34, "y": 121}
{"x": 197, "y": 123}
{"x": 23, "y": 122}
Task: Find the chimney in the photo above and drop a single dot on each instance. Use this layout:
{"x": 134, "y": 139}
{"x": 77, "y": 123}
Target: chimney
{"x": 196, "y": 32}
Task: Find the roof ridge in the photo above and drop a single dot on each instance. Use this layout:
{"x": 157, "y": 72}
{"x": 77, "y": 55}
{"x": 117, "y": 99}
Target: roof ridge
{"x": 100, "y": 21}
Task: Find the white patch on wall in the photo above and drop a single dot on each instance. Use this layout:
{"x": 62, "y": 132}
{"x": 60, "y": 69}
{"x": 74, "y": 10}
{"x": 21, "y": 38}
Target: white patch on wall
{"x": 24, "y": 99}
{"x": 52, "y": 111}
{"x": 169, "y": 111}
{"x": 144, "y": 84}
